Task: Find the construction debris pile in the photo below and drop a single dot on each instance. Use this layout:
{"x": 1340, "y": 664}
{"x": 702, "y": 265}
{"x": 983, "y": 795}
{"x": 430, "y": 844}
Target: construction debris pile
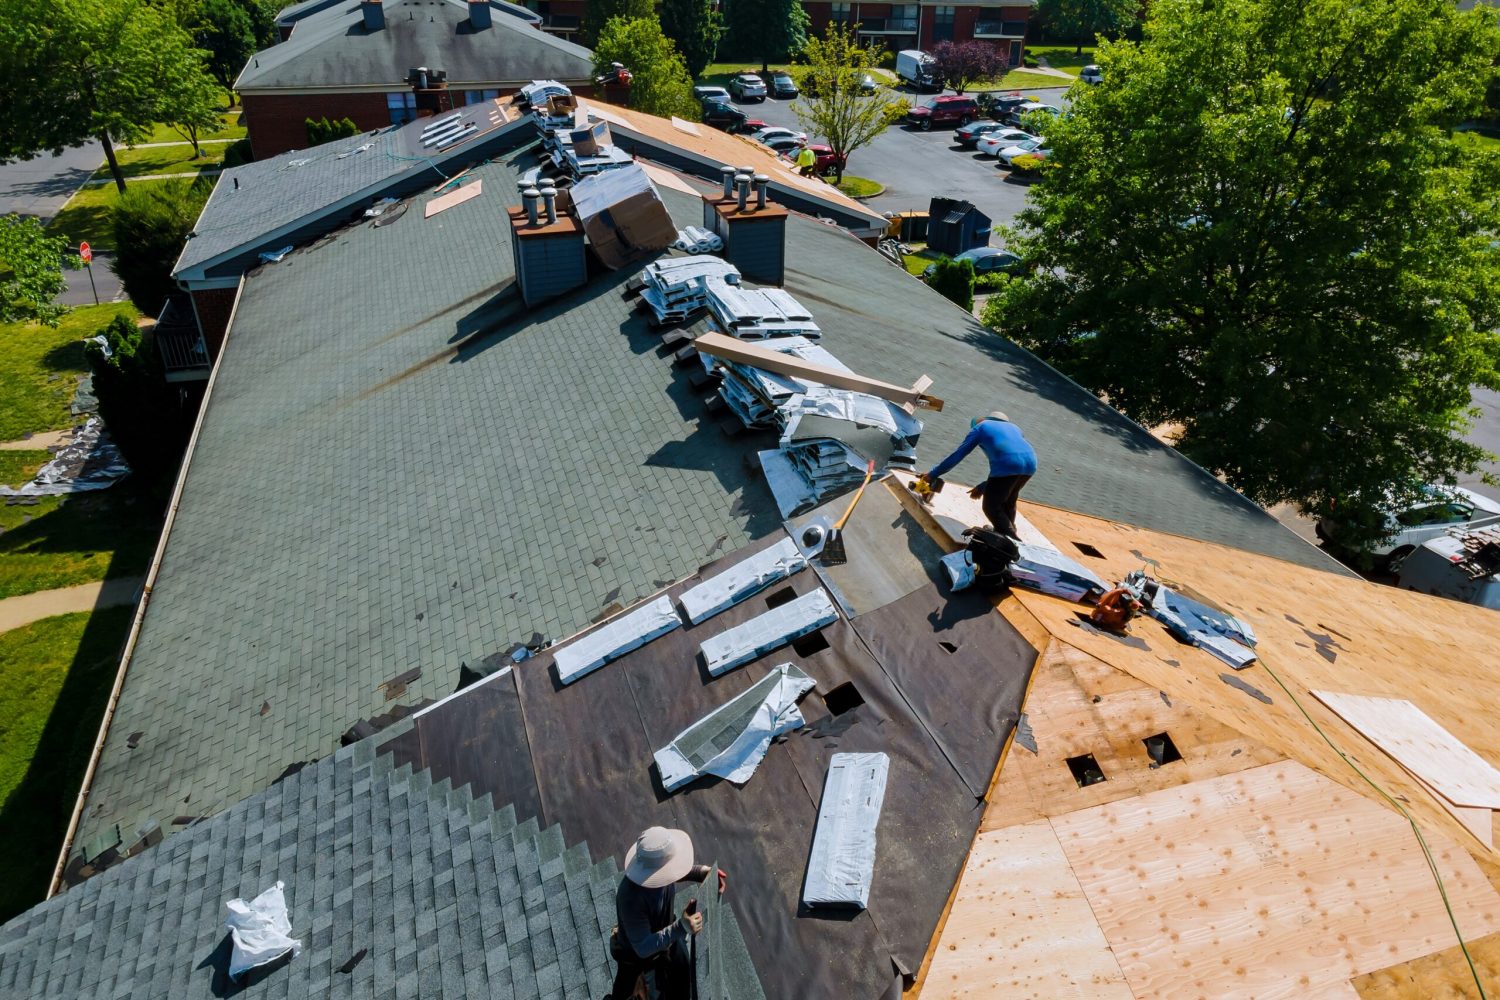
{"x": 1195, "y": 623}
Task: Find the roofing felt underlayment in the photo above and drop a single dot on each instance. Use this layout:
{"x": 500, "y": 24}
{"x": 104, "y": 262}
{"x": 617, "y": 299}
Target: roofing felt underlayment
{"x": 401, "y": 469}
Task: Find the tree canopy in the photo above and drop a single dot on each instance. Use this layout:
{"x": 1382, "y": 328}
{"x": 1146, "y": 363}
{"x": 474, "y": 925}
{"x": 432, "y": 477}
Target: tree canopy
{"x": 766, "y": 29}
{"x": 226, "y": 31}
{"x": 832, "y": 104}
{"x": 89, "y": 69}
{"x": 151, "y": 223}
{"x": 31, "y": 264}
{"x": 694, "y": 26}
{"x": 660, "y": 84}
{"x": 962, "y": 63}
{"x": 1081, "y": 20}
{"x": 598, "y": 13}
{"x": 1258, "y": 228}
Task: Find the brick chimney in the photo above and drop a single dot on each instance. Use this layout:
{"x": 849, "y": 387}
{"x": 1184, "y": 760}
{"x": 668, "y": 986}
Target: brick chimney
{"x": 479, "y": 14}
{"x": 374, "y": 12}
{"x": 431, "y": 88}
{"x": 548, "y": 247}
{"x": 753, "y": 228}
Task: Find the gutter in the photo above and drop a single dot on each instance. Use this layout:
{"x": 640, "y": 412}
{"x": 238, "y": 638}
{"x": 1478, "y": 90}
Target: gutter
{"x": 140, "y": 611}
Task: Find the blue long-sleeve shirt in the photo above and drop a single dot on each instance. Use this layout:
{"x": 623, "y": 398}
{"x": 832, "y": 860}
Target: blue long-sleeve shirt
{"x": 1009, "y": 452}
{"x": 648, "y": 918}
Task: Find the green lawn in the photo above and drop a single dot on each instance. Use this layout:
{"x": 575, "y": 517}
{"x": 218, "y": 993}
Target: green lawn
{"x": 86, "y": 216}
{"x": 164, "y": 160}
{"x": 1022, "y": 79}
{"x": 1062, "y": 57}
{"x": 38, "y": 365}
{"x": 718, "y": 74}
{"x": 232, "y": 130}
{"x": 1483, "y": 140}
{"x": 919, "y": 260}
{"x": 55, "y": 679}
{"x": 860, "y": 187}
{"x": 80, "y": 539}
{"x": 17, "y": 467}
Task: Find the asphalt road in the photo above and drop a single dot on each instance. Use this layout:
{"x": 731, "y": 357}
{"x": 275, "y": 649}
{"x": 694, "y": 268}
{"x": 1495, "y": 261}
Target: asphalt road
{"x": 914, "y": 166}
{"x": 1486, "y": 434}
{"x": 41, "y": 186}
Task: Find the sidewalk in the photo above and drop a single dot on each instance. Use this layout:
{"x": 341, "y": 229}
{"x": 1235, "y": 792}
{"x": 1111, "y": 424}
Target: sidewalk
{"x": 27, "y": 608}
{"x": 183, "y": 175}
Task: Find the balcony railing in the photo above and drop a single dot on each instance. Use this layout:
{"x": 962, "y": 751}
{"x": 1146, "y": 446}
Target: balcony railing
{"x": 1000, "y": 29}
{"x": 561, "y": 22}
{"x": 183, "y": 354}
{"x": 888, "y": 25}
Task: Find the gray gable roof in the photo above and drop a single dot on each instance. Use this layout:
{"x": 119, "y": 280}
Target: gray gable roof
{"x": 416, "y": 888}
{"x": 331, "y": 49}
{"x": 271, "y": 203}
{"x": 400, "y": 468}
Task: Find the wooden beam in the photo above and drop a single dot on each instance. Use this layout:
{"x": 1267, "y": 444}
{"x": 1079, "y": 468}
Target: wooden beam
{"x": 730, "y": 349}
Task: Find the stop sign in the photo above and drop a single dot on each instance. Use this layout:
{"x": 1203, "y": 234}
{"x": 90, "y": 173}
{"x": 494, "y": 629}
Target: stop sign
{"x": 86, "y": 252}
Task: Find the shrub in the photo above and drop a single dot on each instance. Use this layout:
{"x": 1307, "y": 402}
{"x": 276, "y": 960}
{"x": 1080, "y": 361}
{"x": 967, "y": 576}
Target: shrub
{"x": 992, "y": 282}
{"x": 143, "y": 413}
{"x": 1028, "y": 167}
{"x": 954, "y": 280}
{"x": 151, "y": 222}
{"x": 321, "y": 130}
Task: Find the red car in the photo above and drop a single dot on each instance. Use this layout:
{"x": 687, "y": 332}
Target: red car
{"x": 828, "y": 160}
{"x": 949, "y": 110}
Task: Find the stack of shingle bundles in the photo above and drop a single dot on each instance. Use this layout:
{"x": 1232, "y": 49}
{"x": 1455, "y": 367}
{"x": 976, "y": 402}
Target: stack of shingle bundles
{"x": 696, "y": 239}
{"x": 1043, "y": 568}
{"x": 1194, "y": 622}
{"x": 673, "y": 288}
{"x": 828, "y": 466}
{"x": 759, "y": 313}
{"x": 757, "y": 396}
{"x": 875, "y": 428}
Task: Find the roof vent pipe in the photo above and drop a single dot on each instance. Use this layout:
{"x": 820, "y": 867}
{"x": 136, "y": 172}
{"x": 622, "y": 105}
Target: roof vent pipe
{"x": 479, "y": 14}
{"x": 729, "y": 174}
{"x": 744, "y": 190}
{"x": 374, "y": 12}
{"x": 530, "y": 197}
{"x": 761, "y": 180}
{"x": 549, "y": 199}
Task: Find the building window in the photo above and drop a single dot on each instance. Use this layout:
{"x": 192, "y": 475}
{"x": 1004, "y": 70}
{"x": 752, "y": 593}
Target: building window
{"x": 475, "y": 96}
{"x": 840, "y": 14}
{"x": 903, "y": 17}
{"x": 402, "y": 105}
{"x": 942, "y": 24}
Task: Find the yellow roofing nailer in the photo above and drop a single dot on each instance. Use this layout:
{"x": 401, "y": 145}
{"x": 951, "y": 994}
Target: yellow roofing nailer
{"x": 833, "y": 549}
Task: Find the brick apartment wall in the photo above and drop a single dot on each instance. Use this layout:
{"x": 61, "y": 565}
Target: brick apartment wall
{"x": 278, "y": 122}
{"x": 213, "y": 306}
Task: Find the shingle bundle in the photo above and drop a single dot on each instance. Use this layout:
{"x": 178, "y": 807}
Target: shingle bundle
{"x": 1045, "y": 569}
{"x": 759, "y": 313}
{"x": 674, "y": 290}
{"x": 757, "y": 396}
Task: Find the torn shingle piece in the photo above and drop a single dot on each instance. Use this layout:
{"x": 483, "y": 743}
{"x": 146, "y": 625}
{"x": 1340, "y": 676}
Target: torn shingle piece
{"x": 764, "y": 633}
{"x": 1045, "y": 569}
{"x": 731, "y": 741}
{"x": 726, "y": 589}
{"x": 612, "y": 641}
{"x": 842, "y": 863}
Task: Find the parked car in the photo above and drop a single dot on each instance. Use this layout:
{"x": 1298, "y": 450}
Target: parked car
{"x": 994, "y": 142}
{"x": 782, "y": 85}
{"x": 914, "y": 67}
{"x": 999, "y": 106}
{"x": 711, "y": 94}
{"x": 968, "y": 135}
{"x": 1441, "y": 509}
{"x": 948, "y": 110}
{"x": 867, "y": 84}
{"x": 1020, "y": 111}
{"x": 1445, "y": 567}
{"x": 986, "y": 260}
{"x": 748, "y": 87}
{"x": 1033, "y": 145}
{"x": 770, "y": 132}
{"x": 827, "y": 158}
{"x": 1091, "y": 74}
{"x": 721, "y": 115}
{"x": 784, "y": 144}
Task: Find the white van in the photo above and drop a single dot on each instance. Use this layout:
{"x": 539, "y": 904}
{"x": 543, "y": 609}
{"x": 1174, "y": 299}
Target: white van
{"x": 1463, "y": 566}
{"x": 913, "y": 66}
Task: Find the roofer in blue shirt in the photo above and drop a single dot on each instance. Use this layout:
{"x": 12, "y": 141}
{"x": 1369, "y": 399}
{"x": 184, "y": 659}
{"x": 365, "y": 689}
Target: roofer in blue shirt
{"x": 1012, "y": 463}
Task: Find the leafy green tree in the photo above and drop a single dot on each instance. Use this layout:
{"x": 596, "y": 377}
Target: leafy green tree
{"x": 321, "y": 130}
{"x": 143, "y": 413}
{"x": 1259, "y": 229}
{"x": 832, "y": 104}
{"x": 954, "y": 281}
{"x": 598, "y": 13}
{"x": 694, "y": 26}
{"x": 31, "y": 264}
{"x": 1080, "y": 20}
{"x": 660, "y": 85}
{"x": 191, "y": 107}
{"x": 88, "y": 69}
{"x": 766, "y": 29}
{"x": 225, "y": 30}
{"x": 151, "y": 223}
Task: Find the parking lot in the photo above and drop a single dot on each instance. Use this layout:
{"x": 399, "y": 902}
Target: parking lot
{"x": 914, "y": 166}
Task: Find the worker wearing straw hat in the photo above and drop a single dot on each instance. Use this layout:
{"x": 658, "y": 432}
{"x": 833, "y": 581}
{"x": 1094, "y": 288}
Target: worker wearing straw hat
{"x": 650, "y": 937}
{"x": 1012, "y": 463}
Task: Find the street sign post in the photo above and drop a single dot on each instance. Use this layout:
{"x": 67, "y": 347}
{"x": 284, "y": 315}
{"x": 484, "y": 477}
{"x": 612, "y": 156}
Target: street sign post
{"x": 86, "y": 253}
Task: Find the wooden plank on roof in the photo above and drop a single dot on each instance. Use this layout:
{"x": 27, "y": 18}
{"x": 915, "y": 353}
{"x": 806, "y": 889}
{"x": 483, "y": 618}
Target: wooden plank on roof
{"x": 720, "y": 346}
{"x": 1421, "y": 746}
{"x": 455, "y": 197}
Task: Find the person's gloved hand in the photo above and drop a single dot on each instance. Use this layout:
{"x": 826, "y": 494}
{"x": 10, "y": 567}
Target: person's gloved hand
{"x": 723, "y": 881}
{"x": 693, "y": 922}
{"x": 924, "y": 478}
{"x": 977, "y": 491}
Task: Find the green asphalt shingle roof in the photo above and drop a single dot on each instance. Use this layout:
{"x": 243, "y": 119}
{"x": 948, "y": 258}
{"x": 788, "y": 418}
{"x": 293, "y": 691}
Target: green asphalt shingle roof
{"x": 401, "y": 468}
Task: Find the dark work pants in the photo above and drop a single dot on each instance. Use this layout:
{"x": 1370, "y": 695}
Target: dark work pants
{"x": 1000, "y": 495}
{"x": 673, "y": 968}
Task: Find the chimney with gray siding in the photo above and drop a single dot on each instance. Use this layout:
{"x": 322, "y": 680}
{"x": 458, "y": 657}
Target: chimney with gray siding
{"x": 752, "y": 227}
{"x": 548, "y": 247}
{"x": 479, "y": 14}
{"x": 374, "y": 12}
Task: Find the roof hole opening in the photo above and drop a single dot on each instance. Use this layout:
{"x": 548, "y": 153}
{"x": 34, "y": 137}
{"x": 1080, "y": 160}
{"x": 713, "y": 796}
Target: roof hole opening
{"x": 1161, "y": 749}
{"x": 1088, "y": 550}
{"x": 843, "y": 698}
{"x": 948, "y": 647}
{"x": 809, "y": 644}
{"x": 783, "y": 596}
{"x": 1086, "y": 770}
